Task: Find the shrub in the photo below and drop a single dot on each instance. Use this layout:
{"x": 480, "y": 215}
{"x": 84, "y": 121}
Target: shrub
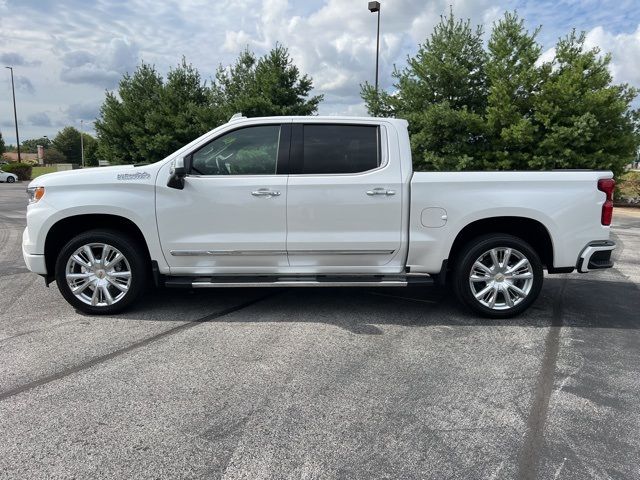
{"x": 51, "y": 156}
{"x": 629, "y": 186}
{"x": 22, "y": 170}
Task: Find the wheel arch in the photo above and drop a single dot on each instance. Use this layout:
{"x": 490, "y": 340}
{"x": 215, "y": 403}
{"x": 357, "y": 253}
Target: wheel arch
{"x": 66, "y": 228}
{"x": 531, "y": 231}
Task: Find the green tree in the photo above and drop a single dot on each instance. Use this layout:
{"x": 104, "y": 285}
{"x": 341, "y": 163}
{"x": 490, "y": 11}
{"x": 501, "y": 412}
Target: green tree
{"x": 2, "y": 146}
{"x": 151, "y": 117}
{"x": 183, "y": 112}
{"x": 124, "y": 133}
{"x": 443, "y": 94}
{"x": 585, "y": 120}
{"x": 31, "y": 145}
{"x": 233, "y": 88}
{"x": 281, "y": 88}
{"x": 514, "y": 82}
{"x": 53, "y": 155}
{"x": 67, "y": 142}
{"x": 270, "y": 85}
{"x": 90, "y": 145}
{"x": 502, "y": 109}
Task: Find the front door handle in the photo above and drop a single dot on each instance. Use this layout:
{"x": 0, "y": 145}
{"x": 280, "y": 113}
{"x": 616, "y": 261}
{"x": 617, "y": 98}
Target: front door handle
{"x": 380, "y": 191}
{"x": 265, "y": 192}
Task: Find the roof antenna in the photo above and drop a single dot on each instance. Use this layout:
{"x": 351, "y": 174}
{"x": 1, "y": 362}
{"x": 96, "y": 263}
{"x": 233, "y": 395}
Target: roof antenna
{"x": 236, "y": 116}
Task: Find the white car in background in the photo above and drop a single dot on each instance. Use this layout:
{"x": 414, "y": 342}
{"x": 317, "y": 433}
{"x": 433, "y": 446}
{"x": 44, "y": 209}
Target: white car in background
{"x": 8, "y": 177}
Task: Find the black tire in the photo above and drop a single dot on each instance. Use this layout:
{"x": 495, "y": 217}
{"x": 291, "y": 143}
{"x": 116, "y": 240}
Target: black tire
{"x": 10, "y": 180}
{"x": 466, "y": 261}
{"x": 133, "y": 253}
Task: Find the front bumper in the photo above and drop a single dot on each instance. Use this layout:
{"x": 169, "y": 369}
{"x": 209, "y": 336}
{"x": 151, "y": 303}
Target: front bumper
{"x": 595, "y": 256}
{"x": 34, "y": 262}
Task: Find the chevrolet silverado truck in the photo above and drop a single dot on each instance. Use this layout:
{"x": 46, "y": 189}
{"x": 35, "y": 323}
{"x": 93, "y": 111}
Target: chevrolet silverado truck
{"x": 312, "y": 202}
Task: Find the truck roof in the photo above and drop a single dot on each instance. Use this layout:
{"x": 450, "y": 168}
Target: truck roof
{"x": 327, "y": 118}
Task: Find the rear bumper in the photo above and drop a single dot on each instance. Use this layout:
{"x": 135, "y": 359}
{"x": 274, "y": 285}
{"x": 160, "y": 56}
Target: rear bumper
{"x": 595, "y": 256}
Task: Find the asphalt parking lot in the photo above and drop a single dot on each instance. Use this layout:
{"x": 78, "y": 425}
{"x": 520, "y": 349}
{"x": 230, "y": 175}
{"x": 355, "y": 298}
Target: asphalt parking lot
{"x": 320, "y": 383}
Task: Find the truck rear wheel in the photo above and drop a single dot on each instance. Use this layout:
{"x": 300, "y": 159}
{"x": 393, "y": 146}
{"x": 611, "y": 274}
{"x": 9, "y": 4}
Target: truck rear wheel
{"x": 101, "y": 271}
{"x": 498, "y": 275}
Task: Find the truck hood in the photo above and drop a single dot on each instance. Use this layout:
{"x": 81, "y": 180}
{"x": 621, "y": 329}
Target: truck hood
{"x": 99, "y": 175}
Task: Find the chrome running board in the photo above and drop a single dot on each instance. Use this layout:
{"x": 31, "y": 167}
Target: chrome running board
{"x": 297, "y": 281}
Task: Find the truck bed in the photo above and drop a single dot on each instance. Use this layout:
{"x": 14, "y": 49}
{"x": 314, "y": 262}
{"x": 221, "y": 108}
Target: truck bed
{"x": 566, "y": 203}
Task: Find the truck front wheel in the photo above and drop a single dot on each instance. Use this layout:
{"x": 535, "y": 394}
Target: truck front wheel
{"x": 101, "y": 271}
{"x": 498, "y": 275}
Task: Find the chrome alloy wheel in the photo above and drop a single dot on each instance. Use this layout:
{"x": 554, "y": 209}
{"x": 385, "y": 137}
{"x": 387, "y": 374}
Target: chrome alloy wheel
{"x": 501, "y": 278}
{"x": 98, "y": 274}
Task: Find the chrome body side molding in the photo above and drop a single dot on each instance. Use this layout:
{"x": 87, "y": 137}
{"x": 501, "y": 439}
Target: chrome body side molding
{"x": 197, "y": 253}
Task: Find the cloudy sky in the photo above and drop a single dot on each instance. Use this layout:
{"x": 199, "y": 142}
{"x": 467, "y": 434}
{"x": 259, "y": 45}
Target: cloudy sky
{"x": 66, "y": 53}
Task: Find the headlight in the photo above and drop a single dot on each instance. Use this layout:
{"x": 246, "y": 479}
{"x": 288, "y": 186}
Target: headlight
{"x": 35, "y": 193}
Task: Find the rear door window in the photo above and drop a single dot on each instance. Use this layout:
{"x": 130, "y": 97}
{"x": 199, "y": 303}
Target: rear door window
{"x": 335, "y": 149}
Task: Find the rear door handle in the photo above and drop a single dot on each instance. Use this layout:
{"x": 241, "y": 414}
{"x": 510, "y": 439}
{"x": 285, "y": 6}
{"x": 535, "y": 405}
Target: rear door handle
{"x": 380, "y": 191}
{"x": 265, "y": 192}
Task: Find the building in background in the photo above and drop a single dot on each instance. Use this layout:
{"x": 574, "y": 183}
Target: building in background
{"x": 26, "y": 157}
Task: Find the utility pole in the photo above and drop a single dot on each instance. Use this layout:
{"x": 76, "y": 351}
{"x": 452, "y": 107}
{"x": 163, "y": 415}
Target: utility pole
{"x": 15, "y": 113}
{"x": 82, "y": 142}
{"x": 373, "y": 8}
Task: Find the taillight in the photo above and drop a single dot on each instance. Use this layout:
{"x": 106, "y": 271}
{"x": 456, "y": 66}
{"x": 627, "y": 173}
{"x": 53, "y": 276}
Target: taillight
{"x": 607, "y": 185}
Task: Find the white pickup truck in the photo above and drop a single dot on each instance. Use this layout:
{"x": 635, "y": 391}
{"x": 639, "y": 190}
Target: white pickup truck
{"x": 311, "y": 202}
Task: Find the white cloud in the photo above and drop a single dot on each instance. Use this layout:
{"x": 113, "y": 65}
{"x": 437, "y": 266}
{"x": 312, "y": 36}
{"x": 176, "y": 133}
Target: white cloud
{"x": 16, "y": 60}
{"x": 547, "y": 56}
{"x": 103, "y": 69}
{"x": 70, "y": 51}
{"x": 87, "y": 111}
{"x": 624, "y": 49}
{"x": 40, "y": 119}
{"x": 336, "y": 43}
{"x": 21, "y": 83}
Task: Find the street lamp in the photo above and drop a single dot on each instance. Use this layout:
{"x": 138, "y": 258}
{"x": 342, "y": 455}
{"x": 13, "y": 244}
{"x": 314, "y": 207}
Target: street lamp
{"x": 46, "y": 143}
{"x": 15, "y": 113}
{"x": 373, "y": 8}
{"x": 82, "y": 142}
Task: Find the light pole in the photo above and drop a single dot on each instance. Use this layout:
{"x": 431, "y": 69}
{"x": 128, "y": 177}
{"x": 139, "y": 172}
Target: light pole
{"x": 46, "y": 144}
{"x": 82, "y": 142}
{"x": 373, "y": 8}
{"x": 15, "y": 113}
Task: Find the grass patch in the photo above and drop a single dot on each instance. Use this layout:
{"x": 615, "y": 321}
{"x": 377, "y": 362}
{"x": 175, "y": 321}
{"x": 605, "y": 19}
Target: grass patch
{"x": 37, "y": 171}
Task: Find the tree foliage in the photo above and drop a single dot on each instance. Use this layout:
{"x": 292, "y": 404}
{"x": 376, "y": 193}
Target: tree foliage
{"x": 31, "y": 145}
{"x": 443, "y": 94}
{"x": 53, "y": 155}
{"x": 501, "y": 107}
{"x": 2, "y": 146}
{"x": 270, "y": 85}
{"x": 514, "y": 80}
{"x": 67, "y": 142}
{"x": 150, "y": 116}
{"x": 126, "y": 125}
{"x": 585, "y": 121}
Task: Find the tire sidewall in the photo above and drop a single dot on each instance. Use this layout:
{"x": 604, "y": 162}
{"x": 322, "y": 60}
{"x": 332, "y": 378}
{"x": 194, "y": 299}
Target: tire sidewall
{"x": 471, "y": 253}
{"x": 127, "y": 246}
{"x": 11, "y": 180}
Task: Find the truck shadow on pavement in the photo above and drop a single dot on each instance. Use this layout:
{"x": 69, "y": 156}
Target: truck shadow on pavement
{"x": 565, "y": 302}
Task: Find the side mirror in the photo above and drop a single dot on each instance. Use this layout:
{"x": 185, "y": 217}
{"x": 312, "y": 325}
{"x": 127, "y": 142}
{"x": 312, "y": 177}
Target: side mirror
{"x": 177, "y": 173}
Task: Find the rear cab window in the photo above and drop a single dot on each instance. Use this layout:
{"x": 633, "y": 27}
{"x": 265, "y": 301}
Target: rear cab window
{"x": 336, "y": 149}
